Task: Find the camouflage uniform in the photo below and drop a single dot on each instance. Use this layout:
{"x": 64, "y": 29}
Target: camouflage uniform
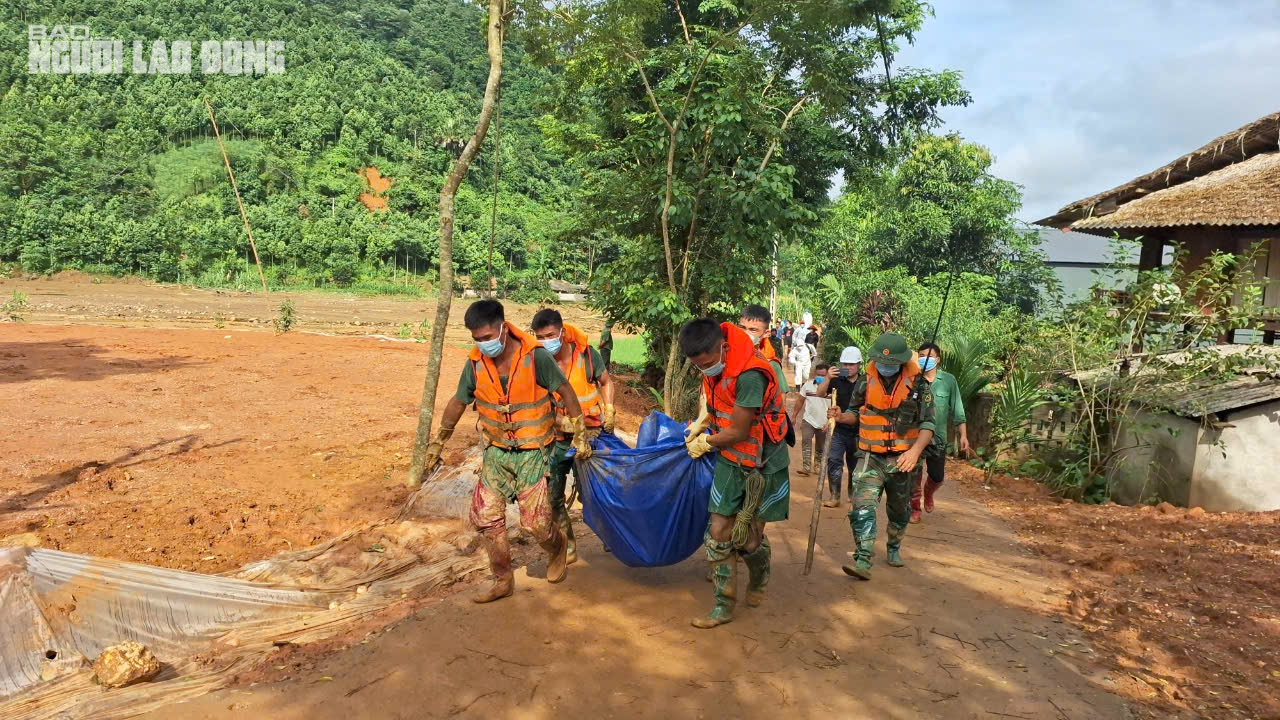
{"x": 877, "y": 474}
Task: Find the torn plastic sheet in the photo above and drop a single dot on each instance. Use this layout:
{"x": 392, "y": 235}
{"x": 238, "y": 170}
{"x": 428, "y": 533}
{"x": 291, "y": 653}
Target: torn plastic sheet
{"x": 59, "y": 610}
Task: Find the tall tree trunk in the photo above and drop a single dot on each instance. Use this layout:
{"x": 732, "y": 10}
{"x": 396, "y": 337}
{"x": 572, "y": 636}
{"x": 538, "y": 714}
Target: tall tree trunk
{"x": 426, "y": 412}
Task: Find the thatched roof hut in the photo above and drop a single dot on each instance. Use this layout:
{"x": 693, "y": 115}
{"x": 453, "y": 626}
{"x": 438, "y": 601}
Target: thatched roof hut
{"x": 1232, "y": 181}
{"x": 1224, "y": 196}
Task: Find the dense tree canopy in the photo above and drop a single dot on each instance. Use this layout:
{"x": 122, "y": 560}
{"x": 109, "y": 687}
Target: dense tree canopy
{"x": 120, "y": 172}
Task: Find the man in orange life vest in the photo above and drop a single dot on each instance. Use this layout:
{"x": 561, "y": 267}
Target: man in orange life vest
{"x": 892, "y": 409}
{"x": 743, "y": 408}
{"x": 586, "y": 372}
{"x": 754, "y": 321}
{"x": 510, "y": 379}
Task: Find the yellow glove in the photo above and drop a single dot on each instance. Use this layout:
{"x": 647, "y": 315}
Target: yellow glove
{"x": 699, "y": 445}
{"x": 564, "y": 424}
{"x": 610, "y": 415}
{"x": 699, "y": 423}
{"x": 581, "y": 443}
{"x": 436, "y": 447}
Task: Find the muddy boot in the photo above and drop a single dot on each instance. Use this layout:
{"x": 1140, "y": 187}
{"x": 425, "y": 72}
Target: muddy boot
{"x": 504, "y": 581}
{"x": 724, "y": 571}
{"x": 757, "y": 572}
{"x": 557, "y": 550}
{"x": 571, "y": 549}
{"x": 930, "y": 487}
{"x": 861, "y": 567}
{"x": 894, "y": 544}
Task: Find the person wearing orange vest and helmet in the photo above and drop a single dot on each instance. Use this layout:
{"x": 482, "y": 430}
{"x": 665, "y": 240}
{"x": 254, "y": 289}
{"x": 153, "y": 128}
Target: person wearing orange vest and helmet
{"x": 510, "y": 378}
{"x": 742, "y": 406}
{"x": 586, "y": 372}
{"x": 892, "y": 408}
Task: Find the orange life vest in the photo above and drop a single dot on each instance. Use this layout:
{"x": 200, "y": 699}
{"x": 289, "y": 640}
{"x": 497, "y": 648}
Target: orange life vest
{"x": 579, "y": 373}
{"x": 721, "y": 393}
{"x": 766, "y": 349}
{"x": 519, "y": 417}
{"x": 880, "y": 430}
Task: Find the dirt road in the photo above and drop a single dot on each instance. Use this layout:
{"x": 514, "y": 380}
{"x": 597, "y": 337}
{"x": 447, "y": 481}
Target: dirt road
{"x": 959, "y": 633}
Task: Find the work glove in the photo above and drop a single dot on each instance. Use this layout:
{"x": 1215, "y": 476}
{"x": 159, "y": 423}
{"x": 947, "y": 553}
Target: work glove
{"x": 610, "y": 414}
{"x": 698, "y": 445}
{"x": 564, "y": 424}
{"x": 436, "y": 447}
{"x": 581, "y": 443}
{"x": 699, "y": 424}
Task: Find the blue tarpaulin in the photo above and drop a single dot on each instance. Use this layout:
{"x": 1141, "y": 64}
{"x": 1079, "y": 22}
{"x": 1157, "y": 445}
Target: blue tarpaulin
{"x": 649, "y": 503}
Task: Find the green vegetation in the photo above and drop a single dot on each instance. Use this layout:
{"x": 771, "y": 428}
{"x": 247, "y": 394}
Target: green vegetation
{"x": 629, "y": 351}
{"x": 14, "y": 307}
{"x": 284, "y": 319}
{"x": 121, "y": 174}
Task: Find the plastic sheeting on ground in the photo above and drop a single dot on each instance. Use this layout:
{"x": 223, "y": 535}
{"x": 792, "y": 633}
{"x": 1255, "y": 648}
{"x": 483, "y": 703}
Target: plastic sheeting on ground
{"x": 59, "y": 610}
{"x": 649, "y": 503}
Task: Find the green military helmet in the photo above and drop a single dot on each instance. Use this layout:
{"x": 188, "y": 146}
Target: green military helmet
{"x": 890, "y": 349}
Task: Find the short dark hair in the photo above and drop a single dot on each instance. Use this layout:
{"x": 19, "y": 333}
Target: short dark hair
{"x": 700, "y": 336}
{"x": 821, "y": 366}
{"x": 930, "y": 346}
{"x": 757, "y": 312}
{"x": 484, "y": 313}
{"x": 546, "y": 317}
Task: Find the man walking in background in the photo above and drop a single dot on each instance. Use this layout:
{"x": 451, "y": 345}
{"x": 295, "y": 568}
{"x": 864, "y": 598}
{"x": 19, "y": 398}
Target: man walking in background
{"x": 844, "y": 439}
{"x": 801, "y": 360}
{"x": 893, "y": 410}
{"x": 587, "y": 373}
{"x": 949, "y": 408}
{"x": 811, "y": 414}
{"x": 510, "y": 378}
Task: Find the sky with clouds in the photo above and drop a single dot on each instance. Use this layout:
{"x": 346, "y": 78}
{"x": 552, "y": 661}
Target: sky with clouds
{"x": 1077, "y": 96}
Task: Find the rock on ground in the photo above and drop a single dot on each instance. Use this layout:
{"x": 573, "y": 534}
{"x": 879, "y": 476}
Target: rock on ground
{"x": 125, "y": 664}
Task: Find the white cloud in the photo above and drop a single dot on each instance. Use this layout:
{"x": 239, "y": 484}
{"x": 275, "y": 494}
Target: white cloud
{"x": 1077, "y": 96}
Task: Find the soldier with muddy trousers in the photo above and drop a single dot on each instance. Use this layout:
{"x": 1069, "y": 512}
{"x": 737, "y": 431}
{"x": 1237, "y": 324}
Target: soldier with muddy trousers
{"x": 892, "y": 409}
{"x": 510, "y": 378}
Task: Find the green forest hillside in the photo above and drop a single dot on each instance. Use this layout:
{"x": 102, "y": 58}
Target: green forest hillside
{"x": 120, "y": 173}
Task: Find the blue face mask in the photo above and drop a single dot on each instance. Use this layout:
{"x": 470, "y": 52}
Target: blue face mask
{"x": 492, "y": 348}
{"x": 716, "y": 369}
{"x": 553, "y": 344}
{"x": 928, "y": 363}
{"x": 887, "y": 370}
{"x": 818, "y": 380}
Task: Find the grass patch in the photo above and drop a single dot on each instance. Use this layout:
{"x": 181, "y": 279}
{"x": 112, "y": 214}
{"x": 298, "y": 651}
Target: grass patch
{"x": 630, "y": 351}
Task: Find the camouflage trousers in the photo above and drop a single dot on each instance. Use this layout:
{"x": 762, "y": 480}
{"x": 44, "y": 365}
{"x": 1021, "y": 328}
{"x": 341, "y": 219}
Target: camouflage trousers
{"x": 877, "y": 475}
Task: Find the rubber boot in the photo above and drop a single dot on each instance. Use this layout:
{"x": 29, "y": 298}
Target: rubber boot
{"x": 724, "y": 570}
{"x": 758, "y": 568}
{"x": 571, "y": 548}
{"x": 894, "y": 544}
{"x": 861, "y": 567}
{"x": 504, "y": 581}
{"x": 915, "y": 505}
{"x": 558, "y": 562}
{"x": 930, "y": 487}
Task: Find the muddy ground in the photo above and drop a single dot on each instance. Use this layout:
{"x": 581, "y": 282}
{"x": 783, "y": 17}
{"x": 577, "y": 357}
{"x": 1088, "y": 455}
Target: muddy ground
{"x": 149, "y": 423}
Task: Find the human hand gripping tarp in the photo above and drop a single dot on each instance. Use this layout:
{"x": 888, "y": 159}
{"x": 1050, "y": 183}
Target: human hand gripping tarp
{"x": 648, "y": 503}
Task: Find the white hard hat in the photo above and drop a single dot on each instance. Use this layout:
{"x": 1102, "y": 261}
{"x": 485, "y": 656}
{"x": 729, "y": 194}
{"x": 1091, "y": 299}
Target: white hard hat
{"x": 851, "y": 355}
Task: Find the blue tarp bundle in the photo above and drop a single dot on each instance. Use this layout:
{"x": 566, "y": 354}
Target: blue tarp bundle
{"x": 648, "y": 504}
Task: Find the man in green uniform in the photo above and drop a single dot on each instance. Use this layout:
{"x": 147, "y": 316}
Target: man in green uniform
{"x": 950, "y": 409}
{"x": 750, "y": 484}
{"x": 893, "y": 411}
{"x": 509, "y": 378}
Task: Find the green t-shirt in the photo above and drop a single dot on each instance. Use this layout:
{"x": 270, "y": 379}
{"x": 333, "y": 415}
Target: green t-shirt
{"x": 948, "y": 407}
{"x": 781, "y": 376}
{"x": 749, "y": 393}
{"x": 596, "y": 367}
{"x": 546, "y": 373}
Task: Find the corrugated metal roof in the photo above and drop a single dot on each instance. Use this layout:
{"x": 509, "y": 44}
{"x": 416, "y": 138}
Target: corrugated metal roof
{"x": 1236, "y": 394}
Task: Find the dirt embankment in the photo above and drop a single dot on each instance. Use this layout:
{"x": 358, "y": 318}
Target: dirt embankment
{"x": 1182, "y": 605}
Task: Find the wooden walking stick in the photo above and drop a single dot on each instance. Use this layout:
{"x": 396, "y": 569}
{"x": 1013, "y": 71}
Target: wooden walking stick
{"x": 817, "y": 498}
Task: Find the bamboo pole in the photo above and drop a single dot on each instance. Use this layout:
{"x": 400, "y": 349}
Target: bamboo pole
{"x": 243, "y": 216}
